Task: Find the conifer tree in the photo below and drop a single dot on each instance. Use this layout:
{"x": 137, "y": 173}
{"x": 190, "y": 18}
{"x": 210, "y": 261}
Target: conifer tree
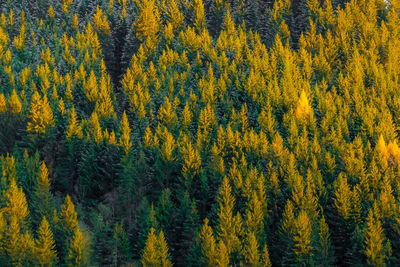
{"x": 14, "y": 103}
{"x": 251, "y": 252}
{"x": 227, "y": 224}
{"x": 45, "y": 252}
{"x": 68, "y": 216}
{"x": 155, "y": 252}
{"x": 199, "y": 21}
{"x": 43, "y": 201}
{"x": 40, "y": 114}
{"x": 208, "y": 245}
{"x": 377, "y": 247}
{"x": 148, "y": 24}
{"x": 150, "y": 254}
{"x": 16, "y": 206}
{"x": 77, "y": 254}
{"x": 124, "y": 140}
{"x": 74, "y": 128}
{"x": 222, "y": 259}
{"x": 302, "y": 238}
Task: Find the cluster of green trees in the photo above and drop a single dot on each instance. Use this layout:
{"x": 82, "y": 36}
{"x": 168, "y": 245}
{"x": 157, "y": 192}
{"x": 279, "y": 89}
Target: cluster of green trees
{"x": 199, "y": 133}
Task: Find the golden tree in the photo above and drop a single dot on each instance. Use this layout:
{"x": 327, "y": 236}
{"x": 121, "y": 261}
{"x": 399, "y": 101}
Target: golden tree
{"x": 40, "y": 114}
{"x": 68, "y": 217}
{"x": 45, "y": 252}
{"x": 377, "y": 247}
{"x": 208, "y": 245}
{"x": 148, "y": 24}
{"x": 155, "y": 252}
{"x": 77, "y": 250}
{"x": 14, "y": 103}
{"x": 74, "y": 128}
{"x": 124, "y": 139}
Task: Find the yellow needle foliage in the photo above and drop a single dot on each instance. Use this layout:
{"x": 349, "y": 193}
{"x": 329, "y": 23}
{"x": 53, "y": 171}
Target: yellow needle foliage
{"x": 303, "y": 107}
{"x": 45, "y": 252}
{"x": 14, "y": 103}
{"x": 40, "y": 115}
{"x": 125, "y": 130}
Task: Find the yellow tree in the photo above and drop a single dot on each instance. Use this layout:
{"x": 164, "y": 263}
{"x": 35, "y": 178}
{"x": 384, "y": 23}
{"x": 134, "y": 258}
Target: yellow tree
{"x": 343, "y": 195}
{"x": 302, "y": 238}
{"x": 207, "y": 244}
{"x": 124, "y": 139}
{"x": 77, "y": 253}
{"x": 43, "y": 201}
{"x": 191, "y": 158}
{"x": 303, "y": 107}
{"x": 228, "y": 225}
{"x": 163, "y": 250}
{"x": 155, "y": 252}
{"x": 222, "y": 259}
{"x": 100, "y": 21}
{"x": 251, "y": 252}
{"x": 45, "y": 252}
{"x": 74, "y": 128}
{"x": 3, "y": 103}
{"x": 266, "y": 262}
{"x": 148, "y": 24}
{"x": 68, "y": 217}
{"x": 14, "y": 103}
{"x": 90, "y": 87}
{"x": 376, "y": 247}
{"x": 95, "y": 128}
{"x": 104, "y": 105}
{"x": 168, "y": 147}
{"x": 40, "y": 115}
{"x": 199, "y": 21}
{"x": 17, "y": 246}
{"x": 149, "y": 256}
{"x": 16, "y": 205}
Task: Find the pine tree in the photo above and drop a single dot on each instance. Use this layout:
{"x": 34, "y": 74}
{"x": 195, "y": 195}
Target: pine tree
{"x": 222, "y": 259}
{"x": 68, "y": 216}
{"x": 174, "y": 15}
{"x": 377, "y": 247}
{"x": 324, "y": 254}
{"x": 95, "y": 128}
{"x": 199, "y": 21}
{"x": 43, "y": 201}
{"x": 155, "y": 252}
{"x": 124, "y": 140}
{"x": 342, "y": 196}
{"x": 74, "y": 128}
{"x": 266, "y": 262}
{"x": 251, "y": 252}
{"x": 163, "y": 250}
{"x": 77, "y": 253}
{"x": 303, "y": 108}
{"x": 45, "y": 252}
{"x": 14, "y": 103}
{"x": 227, "y": 224}
{"x": 150, "y": 254}
{"x": 208, "y": 245}
{"x": 40, "y": 114}
{"x": 16, "y": 206}
{"x": 148, "y": 24}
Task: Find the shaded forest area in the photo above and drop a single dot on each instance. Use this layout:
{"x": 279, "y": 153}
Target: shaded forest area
{"x": 199, "y": 133}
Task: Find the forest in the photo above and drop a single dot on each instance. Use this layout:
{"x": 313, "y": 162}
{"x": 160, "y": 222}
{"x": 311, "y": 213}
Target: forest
{"x": 199, "y": 133}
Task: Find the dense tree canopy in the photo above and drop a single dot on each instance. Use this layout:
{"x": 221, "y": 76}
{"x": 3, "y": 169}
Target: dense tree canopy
{"x": 199, "y": 133}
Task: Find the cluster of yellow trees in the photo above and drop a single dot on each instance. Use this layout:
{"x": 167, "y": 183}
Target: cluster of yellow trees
{"x": 290, "y": 152}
